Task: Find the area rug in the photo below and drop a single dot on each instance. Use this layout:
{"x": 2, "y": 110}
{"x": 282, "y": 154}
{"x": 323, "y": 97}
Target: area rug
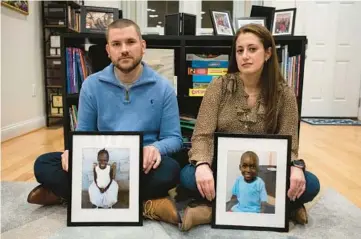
{"x": 332, "y": 216}
{"x": 327, "y": 121}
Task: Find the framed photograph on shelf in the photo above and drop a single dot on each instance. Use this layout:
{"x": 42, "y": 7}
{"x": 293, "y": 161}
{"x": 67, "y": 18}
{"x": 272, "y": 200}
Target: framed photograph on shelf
{"x": 240, "y": 22}
{"x": 251, "y": 180}
{"x": 221, "y": 22}
{"x": 56, "y": 101}
{"x": 105, "y": 174}
{"x": 284, "y": 22}
{"x": 97, "y": 19}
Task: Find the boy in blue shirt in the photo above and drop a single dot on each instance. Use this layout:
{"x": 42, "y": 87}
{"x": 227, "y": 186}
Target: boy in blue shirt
{"x": 249, "y": 189}
{"x": 127, "y": 95}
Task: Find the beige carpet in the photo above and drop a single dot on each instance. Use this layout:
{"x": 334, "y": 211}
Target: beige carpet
{"x": 331, "y": 216}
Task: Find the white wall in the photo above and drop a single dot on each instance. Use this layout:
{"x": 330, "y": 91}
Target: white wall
{"x": 115, "y": 4}
{"x": 359, "y": 109}
{"x": 22, "y": 66}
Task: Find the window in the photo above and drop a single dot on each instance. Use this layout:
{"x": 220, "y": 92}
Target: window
{"x": 156, "y": 11}
{"x": 214, "y": 5}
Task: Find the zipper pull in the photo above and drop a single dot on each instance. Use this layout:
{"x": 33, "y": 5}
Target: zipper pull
{"x": 126, "y": 95}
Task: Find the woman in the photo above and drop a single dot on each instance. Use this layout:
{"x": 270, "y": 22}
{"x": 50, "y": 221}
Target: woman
{"x": 251, "y": 98}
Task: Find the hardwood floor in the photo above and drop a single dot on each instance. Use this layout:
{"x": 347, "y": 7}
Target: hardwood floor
{"x": 18, "y": 154}
{"x": 333, "y": 153}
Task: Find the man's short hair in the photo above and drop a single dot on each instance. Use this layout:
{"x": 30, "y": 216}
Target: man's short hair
{"x": 121, "y": 23}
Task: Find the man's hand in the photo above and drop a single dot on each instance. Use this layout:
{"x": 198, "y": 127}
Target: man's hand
{"x": 151, "y": 158}
{"x": 65, "y": 160}
{"x": 205, "y": 181}
{"x": 297, "y": 183}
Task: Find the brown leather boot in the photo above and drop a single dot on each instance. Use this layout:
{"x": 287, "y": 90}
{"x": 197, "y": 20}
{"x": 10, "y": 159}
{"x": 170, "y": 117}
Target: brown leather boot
{"x": 42, "y": 196}
{"x": 299, "y": 215}
{"x": 162, "y": 209}
{"x": 194, "y": 216}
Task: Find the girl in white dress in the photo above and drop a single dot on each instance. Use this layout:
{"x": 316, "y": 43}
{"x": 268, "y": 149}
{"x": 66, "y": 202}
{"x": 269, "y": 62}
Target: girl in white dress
{"x": 103, "y": 191}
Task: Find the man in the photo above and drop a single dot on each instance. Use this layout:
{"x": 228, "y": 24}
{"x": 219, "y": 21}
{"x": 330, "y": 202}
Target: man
{"x": 127, "y": 95}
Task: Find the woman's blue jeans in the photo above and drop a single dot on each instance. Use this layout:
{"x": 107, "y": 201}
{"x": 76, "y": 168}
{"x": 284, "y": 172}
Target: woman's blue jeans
{"x": 188, "y": 181}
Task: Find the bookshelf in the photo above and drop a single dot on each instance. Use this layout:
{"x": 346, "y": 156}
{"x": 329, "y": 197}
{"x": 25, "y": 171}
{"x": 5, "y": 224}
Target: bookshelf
{"x": 58, "y": 17}
{"x": 290, "y": 48}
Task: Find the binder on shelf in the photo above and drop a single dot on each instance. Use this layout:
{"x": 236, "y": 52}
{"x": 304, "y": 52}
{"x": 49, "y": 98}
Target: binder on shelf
{"x": 180, "y": 24}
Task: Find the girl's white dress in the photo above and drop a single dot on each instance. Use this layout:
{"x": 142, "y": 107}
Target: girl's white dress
{"x": 108, "y": 198}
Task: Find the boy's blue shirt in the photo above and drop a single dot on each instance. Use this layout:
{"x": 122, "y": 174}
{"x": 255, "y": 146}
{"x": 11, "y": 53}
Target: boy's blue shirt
{"x": 249, "y": 195}
{"x": 150, "y": 105}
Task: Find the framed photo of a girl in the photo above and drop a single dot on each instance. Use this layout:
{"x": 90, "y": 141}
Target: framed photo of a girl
{"x": 104, "y": 169}
{"x": 251, "y": 186}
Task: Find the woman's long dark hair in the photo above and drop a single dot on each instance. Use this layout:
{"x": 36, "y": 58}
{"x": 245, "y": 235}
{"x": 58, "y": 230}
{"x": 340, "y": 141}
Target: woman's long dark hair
{"x": 271, "y": 76}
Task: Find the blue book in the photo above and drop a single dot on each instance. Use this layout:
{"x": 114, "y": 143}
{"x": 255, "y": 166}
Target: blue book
{"x": 210, "y": 64}
{"x": 202, "y": 78}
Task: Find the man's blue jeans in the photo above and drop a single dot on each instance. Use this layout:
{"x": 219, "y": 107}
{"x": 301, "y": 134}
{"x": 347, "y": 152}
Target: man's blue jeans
{"x": 188, "y": 181}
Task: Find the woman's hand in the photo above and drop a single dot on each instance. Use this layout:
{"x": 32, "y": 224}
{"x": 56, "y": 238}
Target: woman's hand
{"x": 205, "y": 181}
{"x": 65, "y": 160}
{"x": 297, "y": 183}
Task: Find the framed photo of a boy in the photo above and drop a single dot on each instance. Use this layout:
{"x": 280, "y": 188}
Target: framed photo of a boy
{"x": 105, "y": 174}
{"x": 251, "y": 175}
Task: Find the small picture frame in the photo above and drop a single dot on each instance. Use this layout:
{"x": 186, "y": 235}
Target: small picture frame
{"x": 19, "y": 6}
{"x": 105, "y": 178}
{"x": 56, "y": 101}
{"x": 97, "y": 19}
{"x": 221, "y": 22}
{"x": 241, "y": 21}
{"x": 284, "y": 22}
{"x": 251, "y": 178}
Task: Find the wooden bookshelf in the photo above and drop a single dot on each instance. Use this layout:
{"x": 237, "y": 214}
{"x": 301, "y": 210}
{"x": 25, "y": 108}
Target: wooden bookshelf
{"x": 182, "y": 45}
{"x": 55, "y": 22}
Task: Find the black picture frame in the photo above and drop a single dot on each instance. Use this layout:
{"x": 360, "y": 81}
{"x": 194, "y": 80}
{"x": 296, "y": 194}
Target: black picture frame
{"x": 274, "y": 157}
{"x": 263, "y": 11}
{"x": 248, "y": 20}
{"x": 217, "y": 27}
{"x": 103, "y": 17}
{"x": 288, "y": 26}
{"x": 123, "y": 148}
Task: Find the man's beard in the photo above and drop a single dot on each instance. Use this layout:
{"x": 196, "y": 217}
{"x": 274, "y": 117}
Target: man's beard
{"x": 129, "y": 69}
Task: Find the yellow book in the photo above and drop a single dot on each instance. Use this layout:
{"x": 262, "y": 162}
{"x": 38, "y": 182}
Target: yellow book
{"x": 207, "y": 71}
{"x": 217, "y": 71}
{"x": 197, "y": 92}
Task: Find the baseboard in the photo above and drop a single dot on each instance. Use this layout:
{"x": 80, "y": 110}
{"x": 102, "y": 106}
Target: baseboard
{"x": 20, "y": 128}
